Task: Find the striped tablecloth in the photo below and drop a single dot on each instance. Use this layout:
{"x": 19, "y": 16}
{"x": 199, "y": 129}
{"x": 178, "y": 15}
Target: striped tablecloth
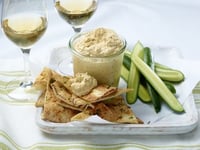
{"x": 18, "y": 130}
{"x": 163, "y": 22}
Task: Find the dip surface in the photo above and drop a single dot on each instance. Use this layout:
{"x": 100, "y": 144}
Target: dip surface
{"x": 98, "y": 43}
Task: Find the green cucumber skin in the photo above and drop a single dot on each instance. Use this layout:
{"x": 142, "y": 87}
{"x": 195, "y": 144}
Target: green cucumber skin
{"x": 134, "y": 76}
{"x": 133, "y": 83}
{"x": 155, "y": 98}
{"x": 164, "y": 72}
{"x": 158, "y": 85}
{"x": 127, "y": 61}
{"x": 142, "y": 91}
{"x": 170, "y": 86}
{"x": 152, "y": 92}
{"x": 143, "y": 94}
{"x": 164, "y": 69}
{"x": 170, "y": 75}
{"x": 124, "y": 73}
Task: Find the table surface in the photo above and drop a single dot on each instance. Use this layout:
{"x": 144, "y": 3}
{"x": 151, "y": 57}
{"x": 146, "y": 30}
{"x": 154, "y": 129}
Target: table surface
{"x": 157, "y": 23}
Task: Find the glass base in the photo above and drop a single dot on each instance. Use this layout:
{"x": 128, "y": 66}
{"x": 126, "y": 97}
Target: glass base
{"x": 65, "y": 67}
{"x": 19, "y": 91}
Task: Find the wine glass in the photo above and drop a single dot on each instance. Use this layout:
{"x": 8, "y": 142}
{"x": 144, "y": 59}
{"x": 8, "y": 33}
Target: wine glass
{"x": 76, "y": 12}
{"x": 23, "y": 22}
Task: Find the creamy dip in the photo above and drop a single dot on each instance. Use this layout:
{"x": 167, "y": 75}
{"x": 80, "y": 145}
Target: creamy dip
{"x": 98, "y": 43}
{"x": 82, "y": 83}
{"x": 100, "y": 53}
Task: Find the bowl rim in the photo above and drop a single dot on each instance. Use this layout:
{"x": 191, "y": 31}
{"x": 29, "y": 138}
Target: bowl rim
{"x": 74, "y": 37}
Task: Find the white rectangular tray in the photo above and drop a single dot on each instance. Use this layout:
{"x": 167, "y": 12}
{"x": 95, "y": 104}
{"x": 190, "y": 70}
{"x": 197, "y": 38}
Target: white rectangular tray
{"x": 166, "y": 122}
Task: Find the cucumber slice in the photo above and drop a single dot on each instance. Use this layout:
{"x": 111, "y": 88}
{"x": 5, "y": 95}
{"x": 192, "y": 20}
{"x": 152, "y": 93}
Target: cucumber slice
{"x": 142, "y": 91}
{"x": 127, "y": 61}
{"x": 153, "y": 93}
{"x": 170, "y": 86}
{"x": 157, "y": 84}
{"x": 124, "y": 73}
{"x": 143, "y": 94}
{"x": 164, "y": 72}
{"x": 170, "y": 75}
{"x": 134, "y": 75}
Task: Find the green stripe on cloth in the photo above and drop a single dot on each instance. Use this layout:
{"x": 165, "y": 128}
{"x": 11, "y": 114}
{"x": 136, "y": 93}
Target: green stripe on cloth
{"x": 8, "y": 144}
{"x": 13, "y": 78}
{"x": 196, "y": 90}
{"x": 196, "y": 94}
{"x": 12, "y": 73}
{"x": 4, "y": 83}
{"x": 7, "y": 76}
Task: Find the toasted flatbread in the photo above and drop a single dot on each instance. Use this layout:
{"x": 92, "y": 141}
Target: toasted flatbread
{"x": 50, "y": 96}
{"x": 60, "y": 78}
{"x": 114, "y": 95}
{"x": 104, "y": 92}
{"x": 99, "y": 92}
{"x": 65, "y": 105}
{"x": 56, "y": 113}
{"x": 103, "y": 111}
{"x": 60, "y": 104}
{"x": 83, "y": 115}
{"x": 63, "y": 94}
{"x": 41, "y": 82}
{"x": 117, "y": 111}
{"x": 124, "y": 114}
{"x": 40, "y": 100}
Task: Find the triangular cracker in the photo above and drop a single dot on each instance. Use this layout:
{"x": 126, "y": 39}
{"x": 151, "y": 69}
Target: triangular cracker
{"x": 116, "y": 110}
{"x": 104, "y": 92}
{"x": 63, "y": 94}
{"x": 40, "y": 100}
{"x": 60, "y": 104}
{"x": 42, "y": 80}
{"x": 56, "y": 113}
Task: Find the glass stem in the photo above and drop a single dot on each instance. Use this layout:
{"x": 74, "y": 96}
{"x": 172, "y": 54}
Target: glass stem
{"x": 27, "y": 81}
{"x": 77, "y": 29}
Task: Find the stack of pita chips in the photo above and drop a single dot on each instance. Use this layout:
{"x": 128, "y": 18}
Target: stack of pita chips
{"x": 61, "y": 105}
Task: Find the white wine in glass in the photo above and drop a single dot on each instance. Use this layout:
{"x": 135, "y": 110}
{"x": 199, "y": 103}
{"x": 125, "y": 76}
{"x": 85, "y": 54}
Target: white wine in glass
{"x": 23, "y": 22}
{"x": 76, "y": 12}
